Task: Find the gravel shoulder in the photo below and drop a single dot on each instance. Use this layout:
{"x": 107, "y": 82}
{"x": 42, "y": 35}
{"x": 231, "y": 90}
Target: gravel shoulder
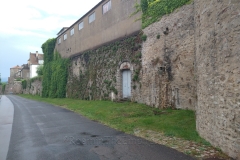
{"x": 196, "y": 150}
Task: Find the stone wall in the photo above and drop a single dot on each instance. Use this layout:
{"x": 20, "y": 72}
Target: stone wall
{"x": 33, "y": 88}
{"x": 16, "y": 87}
{"x": 168, "y": 61}
{"x": 97, "y": 74}
{"x": 218, "y": 73}
{"x": 190, "y": 60}
{"x": 195, "y": 65}
{"x": 6, "y": 89}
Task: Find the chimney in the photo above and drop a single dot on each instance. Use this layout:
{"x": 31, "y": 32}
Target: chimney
{"x": 37, "y": 54}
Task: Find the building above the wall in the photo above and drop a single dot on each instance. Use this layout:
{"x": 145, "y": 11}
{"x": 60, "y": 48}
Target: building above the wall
{"x": 108, "y": 21}
{"x": 25, "y": 71}
{"x": 62, "y": 30}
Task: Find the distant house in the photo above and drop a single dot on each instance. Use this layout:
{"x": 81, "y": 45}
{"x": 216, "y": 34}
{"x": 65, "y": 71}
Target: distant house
{"x": 19, "y": 72}
{"x": 24, "y": 72}
{"x": 35, "y": 59}
{"x": 14, "y": 73}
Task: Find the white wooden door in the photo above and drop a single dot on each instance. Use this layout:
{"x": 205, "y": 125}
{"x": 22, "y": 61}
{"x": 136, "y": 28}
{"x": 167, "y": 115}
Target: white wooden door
{"x": 126, "y": 77}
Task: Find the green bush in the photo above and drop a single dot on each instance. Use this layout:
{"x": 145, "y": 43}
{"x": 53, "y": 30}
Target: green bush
{"x": 3, "y": 87}
{"x": 40, "y": 70}
{"x": 24, "y": 84}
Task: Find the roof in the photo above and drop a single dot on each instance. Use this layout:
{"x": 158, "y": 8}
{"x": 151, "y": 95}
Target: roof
{"x": 62, "y": 30}
{"x": 91, "y": 10}
{"x": 25, "y": 66}
{"x": 34, "y": 57}
{"x": 16, "y": 67}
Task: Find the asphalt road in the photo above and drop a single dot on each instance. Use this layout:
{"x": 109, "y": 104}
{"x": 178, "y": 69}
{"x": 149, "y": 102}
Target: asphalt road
{"x": 41, "y": 131}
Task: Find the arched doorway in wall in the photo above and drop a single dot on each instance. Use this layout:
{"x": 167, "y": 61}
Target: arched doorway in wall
{"x": 126, "y": 73}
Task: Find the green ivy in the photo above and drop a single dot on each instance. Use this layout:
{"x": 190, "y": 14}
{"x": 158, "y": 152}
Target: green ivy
{"x": 3, "y": 87}
{"x": 153, "y": 10}
{"x": 59, "y": 68}
{"x": 97, "y": 68}
{"x": 144, "y": 5}
{"x": 24, "y": 84}
{"x": 48, "y": 49}
{"x": 55, "y": 71}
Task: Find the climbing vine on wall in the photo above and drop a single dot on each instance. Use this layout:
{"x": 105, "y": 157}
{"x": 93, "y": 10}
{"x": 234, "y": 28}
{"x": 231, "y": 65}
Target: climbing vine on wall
{"x": 24, "y": 84}
{"x": 59, "y": 70}
{"x": 48, "y": 49}
{"x": 55, "y": 71}
{"x": 153, "y": 10}
{"x": 93, "y": 74}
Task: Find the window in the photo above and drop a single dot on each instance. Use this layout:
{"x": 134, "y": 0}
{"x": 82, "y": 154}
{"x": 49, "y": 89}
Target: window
{"x": 59, "y": 40}
{"x": 65, "y": 37}
{"x": 106, "y": 7}
{"x": 91, "y": 17}
{"x": 40, "y": 61}
{"x": 80, "y": 26}
{"x": 72, "y": 32}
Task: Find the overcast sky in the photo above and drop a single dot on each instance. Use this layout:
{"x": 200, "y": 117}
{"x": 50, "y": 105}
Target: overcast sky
{"x": 27, "y": 24}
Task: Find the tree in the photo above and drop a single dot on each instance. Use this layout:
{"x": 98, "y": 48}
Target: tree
{"x": 0, "y": 79}
{"x": 40, "y": 70}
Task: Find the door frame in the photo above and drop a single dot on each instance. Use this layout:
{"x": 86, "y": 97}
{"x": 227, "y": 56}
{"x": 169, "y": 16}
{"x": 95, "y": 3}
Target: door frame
{"x": 124, "y": 65}
{"x": 128, "y": 83}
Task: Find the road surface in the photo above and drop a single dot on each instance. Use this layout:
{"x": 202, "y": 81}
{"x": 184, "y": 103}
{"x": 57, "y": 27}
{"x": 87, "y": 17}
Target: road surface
{"x": 41, "y": 131}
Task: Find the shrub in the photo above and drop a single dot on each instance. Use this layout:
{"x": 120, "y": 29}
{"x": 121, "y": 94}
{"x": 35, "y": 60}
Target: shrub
{"x": 40, "y": 70}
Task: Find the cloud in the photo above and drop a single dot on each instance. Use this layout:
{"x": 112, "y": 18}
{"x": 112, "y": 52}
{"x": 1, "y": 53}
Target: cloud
{"x": 27, "y": 24}
{"x": 41, "y": 15}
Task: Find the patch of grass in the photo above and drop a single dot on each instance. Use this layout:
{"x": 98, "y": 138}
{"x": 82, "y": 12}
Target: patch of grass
{"x": 188, "y": 152}
{"x": 129, "y": 115}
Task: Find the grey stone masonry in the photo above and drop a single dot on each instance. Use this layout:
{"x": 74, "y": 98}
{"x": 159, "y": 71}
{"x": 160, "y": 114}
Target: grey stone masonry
{"x": 217, "y": 24}
{"x": 168, "y": 61}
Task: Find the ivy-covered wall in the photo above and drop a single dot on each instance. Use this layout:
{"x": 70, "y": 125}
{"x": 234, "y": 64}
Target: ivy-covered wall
{"x": 55, "y": 71}
{"x": 153, "y": 10}
{"x": 96, "y": 74}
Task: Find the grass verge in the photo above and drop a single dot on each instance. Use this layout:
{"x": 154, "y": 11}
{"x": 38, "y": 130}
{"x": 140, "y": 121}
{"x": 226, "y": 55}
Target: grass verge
{"x": 129, "y": 116}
